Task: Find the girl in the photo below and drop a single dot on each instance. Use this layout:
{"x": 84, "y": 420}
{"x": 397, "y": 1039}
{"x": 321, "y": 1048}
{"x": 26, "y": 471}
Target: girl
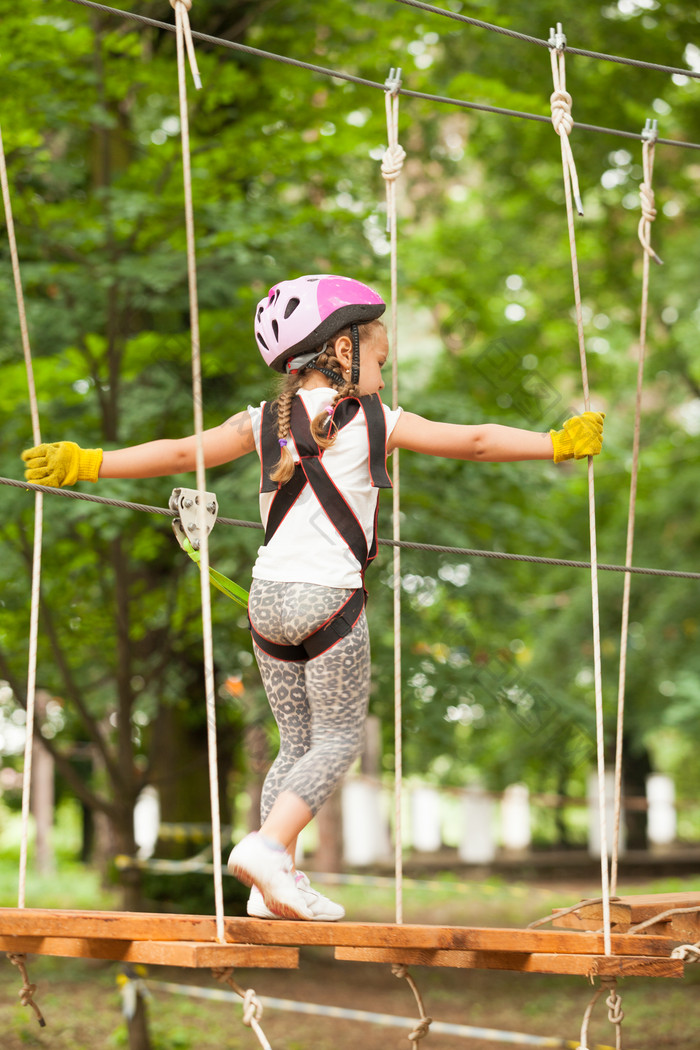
{"x": 323, "y": 445}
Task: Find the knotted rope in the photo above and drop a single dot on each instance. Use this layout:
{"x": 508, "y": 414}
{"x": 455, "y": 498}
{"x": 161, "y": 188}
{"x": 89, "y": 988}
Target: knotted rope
{"x": 392, "y": 164}
{"x": 557, "y": 46}
{"x": 689, "y": 953}
{"x": 26, "y": 995}
{"x": 182, "y": 25}
{"x": 252, "y": 1007}
{"x": 649, "y": 137}
{"x": 423, "y": 1026}
{"x": 615, "y": 1012}
{"x": 560, "y": 101}
{"x": 644, "y": 230}
{"x": 184, "y": 34}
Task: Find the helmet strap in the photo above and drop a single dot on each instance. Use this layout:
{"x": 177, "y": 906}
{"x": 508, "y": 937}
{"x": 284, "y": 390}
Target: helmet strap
{"x": 333, "y": 376}
{"x": 355, "y": 333}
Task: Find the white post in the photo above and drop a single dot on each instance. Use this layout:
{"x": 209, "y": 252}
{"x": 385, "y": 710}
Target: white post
{"x": 515, "y": 818}
{"x": 425, "y": 819}
{"x": 661, "y": 815}
{"x": 364, "y": 833}
{"x": 147, "y": 822}
{"x": 477, "y": 844}
{"x": 593, "y": 796}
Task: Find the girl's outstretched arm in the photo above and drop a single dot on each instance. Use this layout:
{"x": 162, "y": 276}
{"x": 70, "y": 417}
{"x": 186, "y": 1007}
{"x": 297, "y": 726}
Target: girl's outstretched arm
{"x": 224, "y": 443}
{"x": 63, "y": 462}
{"x": 493, "y": 443}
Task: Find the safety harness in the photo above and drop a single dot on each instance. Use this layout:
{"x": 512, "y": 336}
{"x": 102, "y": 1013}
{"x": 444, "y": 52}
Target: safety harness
{"x": 311, "y": 471}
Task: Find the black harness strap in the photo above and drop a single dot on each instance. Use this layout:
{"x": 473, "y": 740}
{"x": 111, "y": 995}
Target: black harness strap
{"x": 336, "y": 627}
{"x": 310, "y": 470}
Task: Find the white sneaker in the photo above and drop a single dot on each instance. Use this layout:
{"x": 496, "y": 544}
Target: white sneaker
{"x": 323, "y": 909}
{"x": 252, "y": 861}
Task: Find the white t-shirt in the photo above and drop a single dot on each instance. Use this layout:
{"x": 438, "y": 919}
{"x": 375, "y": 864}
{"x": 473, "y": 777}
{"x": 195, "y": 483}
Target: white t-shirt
{"x": 306, "y": 548}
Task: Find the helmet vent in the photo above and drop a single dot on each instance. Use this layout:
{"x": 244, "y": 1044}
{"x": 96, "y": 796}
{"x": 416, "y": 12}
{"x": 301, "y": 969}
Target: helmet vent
{"x": 290, "y": 308}
{"x": 276, "y": 330}
{"x": 263, "y": 343}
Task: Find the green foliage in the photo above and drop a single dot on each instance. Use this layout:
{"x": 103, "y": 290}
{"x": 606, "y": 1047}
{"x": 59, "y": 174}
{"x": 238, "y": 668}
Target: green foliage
{"x": 497, "y": 655}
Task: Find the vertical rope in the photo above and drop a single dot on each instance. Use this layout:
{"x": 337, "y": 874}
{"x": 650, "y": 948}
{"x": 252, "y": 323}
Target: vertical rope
{"x": 38, "y": 528}
{"x": 392, "y": 163}
{"x": 19, "y": 960}
{"x": 183, "y": 33}
{"x": 563, "y": 124}
{"x": 644, "y": 231}
{"x": 252, "y": 1007}
{"x": 422, "y": 1027}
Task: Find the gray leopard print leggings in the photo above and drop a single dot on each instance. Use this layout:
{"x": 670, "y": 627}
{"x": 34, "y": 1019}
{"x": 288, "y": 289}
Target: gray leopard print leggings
{"x": 319, "y": 705}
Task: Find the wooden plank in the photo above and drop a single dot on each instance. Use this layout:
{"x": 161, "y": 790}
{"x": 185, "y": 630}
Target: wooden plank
{"x": 626, "y": 912}
{"x": 158, "y": 953}
{"x": 132, "y": 926}
{"x": 465, "y": 938}
{"x": 585, "y": 965}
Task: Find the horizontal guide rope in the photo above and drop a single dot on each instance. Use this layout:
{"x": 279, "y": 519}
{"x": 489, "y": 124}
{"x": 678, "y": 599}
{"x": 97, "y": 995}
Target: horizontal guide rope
{"x": 363, "y": 82}
{"x": 406, "y": 544}
{"x": 641, "y": 63}
{"x": 392, "y": 1020}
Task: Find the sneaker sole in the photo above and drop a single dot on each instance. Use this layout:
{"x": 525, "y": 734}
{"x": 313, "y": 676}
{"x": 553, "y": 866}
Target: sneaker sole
{"x": 281, "y": 911}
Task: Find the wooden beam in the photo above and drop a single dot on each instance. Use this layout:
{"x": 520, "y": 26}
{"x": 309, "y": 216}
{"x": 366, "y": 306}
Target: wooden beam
{"x": 584, "y": 965}
{"x": 131, "y": 926}
{"x": 158, "y": 953}
{"x": 626, "y": 912}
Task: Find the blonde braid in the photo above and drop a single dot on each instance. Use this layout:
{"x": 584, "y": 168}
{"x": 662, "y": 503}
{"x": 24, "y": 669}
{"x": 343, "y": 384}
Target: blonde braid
{"x": 285, "y": 467}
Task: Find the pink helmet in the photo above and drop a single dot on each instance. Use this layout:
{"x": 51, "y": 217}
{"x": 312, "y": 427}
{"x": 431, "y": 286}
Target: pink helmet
{"x": 297, "y": 316}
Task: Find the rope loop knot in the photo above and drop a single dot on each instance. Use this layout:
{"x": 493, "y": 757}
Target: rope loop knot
{"x": 561, "y": 103}
{"x": 252, "y": 1007}
{"x": 689, "y": 953}
{"x": 646, "y": 195}
{"x": 187, "y": 4}
{"x": 26, "y": 993}
{"x": 392, "y": 162}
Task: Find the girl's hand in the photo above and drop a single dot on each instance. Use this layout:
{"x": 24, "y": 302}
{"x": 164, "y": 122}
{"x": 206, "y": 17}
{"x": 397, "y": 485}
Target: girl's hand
{"x": 61, "y": 463}
{"x": 580, "y": 436}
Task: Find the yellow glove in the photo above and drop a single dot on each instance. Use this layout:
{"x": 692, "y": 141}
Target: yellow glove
{"x": 580, "y": 436}
{"x": 62, "y": 463}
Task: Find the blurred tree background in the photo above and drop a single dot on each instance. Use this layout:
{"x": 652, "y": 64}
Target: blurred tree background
{"x": 497, "y": 655}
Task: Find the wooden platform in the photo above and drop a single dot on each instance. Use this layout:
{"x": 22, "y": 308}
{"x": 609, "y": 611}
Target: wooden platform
{"x": 628, "y": 912}
{"x": 190, "y": 940}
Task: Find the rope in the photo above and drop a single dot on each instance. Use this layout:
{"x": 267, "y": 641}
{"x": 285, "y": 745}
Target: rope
{"x": 38, "y": 531}
{"x": 560, "y": 912}
{"x": 392, "y": 165}
{"x": 644, "y": 231}
{"x": 26, "y": 995}
{"x": 436, "y": 548}
{"x": 587, "y": 1017}
{"x": 252, "y": 1007}
{"x": 688, "y": 953}
{"x": 422, "y": 1028}
{"x": 340, "y": 75}
{"x": 184, "y": 41}
{"x": 660, "y": 918}
{"x": 563, "y": 125}
{"x": 616, "y": 1014}
{"x": 641, "y": 63}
